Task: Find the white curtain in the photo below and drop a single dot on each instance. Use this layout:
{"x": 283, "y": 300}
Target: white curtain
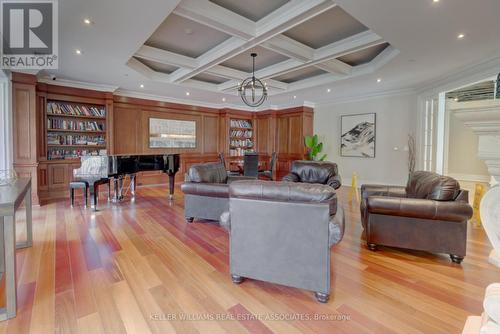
{"x": 6, "y": 145}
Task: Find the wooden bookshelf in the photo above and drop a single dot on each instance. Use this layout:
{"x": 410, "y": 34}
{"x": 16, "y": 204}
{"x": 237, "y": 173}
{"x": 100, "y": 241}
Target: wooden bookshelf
{"x": 74, "y": 129}
{"x": 241, "y": 136}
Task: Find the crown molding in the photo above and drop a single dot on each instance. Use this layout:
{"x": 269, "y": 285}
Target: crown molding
{"x": 141, "y": 95}
{"x": 369, "y": 96}
{"x": 78, "y": 84}
{"x": 461, "y": 77}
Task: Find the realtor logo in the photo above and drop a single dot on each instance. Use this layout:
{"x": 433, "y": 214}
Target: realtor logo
{"x": 29, "y": 34}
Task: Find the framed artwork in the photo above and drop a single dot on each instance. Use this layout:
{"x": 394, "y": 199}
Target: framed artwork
{"x": 358, "y": 135}
{"x": 171, "y": 133}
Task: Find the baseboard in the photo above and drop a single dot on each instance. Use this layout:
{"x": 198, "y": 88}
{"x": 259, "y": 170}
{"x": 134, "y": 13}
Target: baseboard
{"x": 470, "y": 177}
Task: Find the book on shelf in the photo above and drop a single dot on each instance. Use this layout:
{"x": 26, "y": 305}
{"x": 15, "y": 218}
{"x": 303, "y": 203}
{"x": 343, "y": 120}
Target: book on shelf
{"x": 237, "y": 152}
{"x": 60, "y": 153}
{"x": 246, "y": 143}
{"x": 242, "y": 133}
{"x": 64, "y": 124}
{"x": 59, "y": 108}
{"x": 60, "y": 139}
{"x": 241, "y": 123}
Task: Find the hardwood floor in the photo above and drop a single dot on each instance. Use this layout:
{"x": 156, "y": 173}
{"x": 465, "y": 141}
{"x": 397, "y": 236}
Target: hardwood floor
{"x": 139, "y": 268}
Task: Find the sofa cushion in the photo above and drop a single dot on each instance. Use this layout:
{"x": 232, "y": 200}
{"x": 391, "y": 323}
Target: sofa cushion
{"x": 428, "y": 185}
{"x": 212, "y": 172}
{"x": 314, "y": 171}
{"x": 285, "y": 192}
{"x": 206, "y": 189}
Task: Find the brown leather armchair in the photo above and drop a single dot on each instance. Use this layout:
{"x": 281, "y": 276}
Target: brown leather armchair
{"x": 322, "y": 172}
{"x": 429, "y": 214}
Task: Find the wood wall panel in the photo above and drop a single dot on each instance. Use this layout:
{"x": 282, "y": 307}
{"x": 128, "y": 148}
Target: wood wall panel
{"x": 24, "y": 122}
{"x": 264, "y": 144}
{"x": 126, "y": 127}
{"x": 295, "y": 137}
{"x": 58, "y": 176}
{"x": 210, "y": 134}
{"x": 22, "y": 118}
{"x": 282, "y": 135}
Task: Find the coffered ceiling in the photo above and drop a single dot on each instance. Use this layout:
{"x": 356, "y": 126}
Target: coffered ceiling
{"x": 310, "y": 51}
{"x": 206, "y": 44}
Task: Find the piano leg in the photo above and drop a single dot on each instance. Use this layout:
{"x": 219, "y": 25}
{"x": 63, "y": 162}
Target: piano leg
{"x": 171, "y": 184}
{"x": 132, "y": 185}
{"x": 93, "y": 197}
{"x": 118, "y": 185}
{"x": 109, "y": 190}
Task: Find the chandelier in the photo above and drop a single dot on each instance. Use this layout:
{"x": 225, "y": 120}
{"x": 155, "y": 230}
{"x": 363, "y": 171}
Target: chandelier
{"x": 252, "y": 91}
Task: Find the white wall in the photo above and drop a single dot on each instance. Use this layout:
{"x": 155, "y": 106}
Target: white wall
{"x": 463, "y": 163}
{"x": 396, "y": 118}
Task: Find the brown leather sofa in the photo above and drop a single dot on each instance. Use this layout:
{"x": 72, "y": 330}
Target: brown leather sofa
{"x": 322, "y": 172}
{"x": 206, "y": 191}
{"x": 429, "y": 214}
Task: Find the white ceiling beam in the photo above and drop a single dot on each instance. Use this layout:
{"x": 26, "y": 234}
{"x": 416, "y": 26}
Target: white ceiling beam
{"x": 350, "y": 44}
{"x": 337, "y": 49}
{"x": 286, "y": 17}
{"x": 201, "y": 85}
{"x": 289, "y": 47}
{"x": 217, "y": 17}
{"x": 291, "y": 14}
{"x": 378, "y": 62}
{"x": 227, "y": 72}
{"x": 335, "y": 66}
{"x": 165, "y": 57}
{"x": 233, "y": 85}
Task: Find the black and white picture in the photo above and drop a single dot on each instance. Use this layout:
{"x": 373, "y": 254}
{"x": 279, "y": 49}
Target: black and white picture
{"x": 358, "y": 135}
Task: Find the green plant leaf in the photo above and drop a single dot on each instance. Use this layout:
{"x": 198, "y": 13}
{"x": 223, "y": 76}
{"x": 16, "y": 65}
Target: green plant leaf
{"x": 320, "y": 147}
{"x": 315, "y": 140}
{"x": 322, "y": 158}
{"x": 314, "y": 151}
{"x": 308, "y": 141}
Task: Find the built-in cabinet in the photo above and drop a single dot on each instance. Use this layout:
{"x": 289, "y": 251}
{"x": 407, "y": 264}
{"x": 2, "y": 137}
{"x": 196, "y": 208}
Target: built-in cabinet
{"x": 127, "y": 132}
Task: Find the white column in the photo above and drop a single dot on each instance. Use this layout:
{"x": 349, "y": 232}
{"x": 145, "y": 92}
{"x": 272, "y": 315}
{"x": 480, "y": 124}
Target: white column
{"x": 6, "y": 144}
{"x": 483, "y": 117}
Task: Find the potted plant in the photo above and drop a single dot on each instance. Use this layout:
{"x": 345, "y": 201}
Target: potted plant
{"x": 314, "y": 148}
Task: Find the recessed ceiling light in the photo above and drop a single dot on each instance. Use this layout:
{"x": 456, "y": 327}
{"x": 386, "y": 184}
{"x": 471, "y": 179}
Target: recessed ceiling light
{"x": 187, "y": 93}
{"x": 435, "y": 0}
{"x": 456, "y": 99}
{"x": 379, "y": 80}
{"x": 188, "y": 31}
{"x": 87, "y": 21}
{"x": 328, "y": 90}
{"x": 142, "y": 86}
{"x": 460, "y": 36}
{"x": 223, "y": 99}
{"x": 78, "y": 52}
{"x": 295, "y": 96}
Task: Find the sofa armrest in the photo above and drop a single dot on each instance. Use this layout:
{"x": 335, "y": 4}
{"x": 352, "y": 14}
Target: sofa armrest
{"x": 225, "y": 221}
{"x": 368, "y": 190}
{"x": 291, "y": 177}
{"x": 336, "y": 227}
{"x": 419, "y": 208}
{"x": 335, "y": 182}
{"x": 239, "y": 178}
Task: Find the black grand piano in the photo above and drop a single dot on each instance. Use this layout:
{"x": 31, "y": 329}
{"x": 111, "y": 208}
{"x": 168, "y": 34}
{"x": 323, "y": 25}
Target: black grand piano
{"x": 98, "y": 170}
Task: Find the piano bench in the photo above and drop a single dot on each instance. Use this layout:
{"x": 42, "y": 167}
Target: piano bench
{"x": 78, "y": 185}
